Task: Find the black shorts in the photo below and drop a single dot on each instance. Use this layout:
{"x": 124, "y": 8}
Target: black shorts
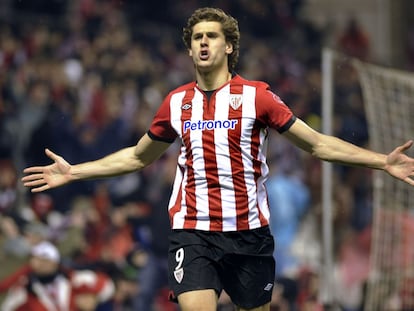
{"x": 240, "y": 262}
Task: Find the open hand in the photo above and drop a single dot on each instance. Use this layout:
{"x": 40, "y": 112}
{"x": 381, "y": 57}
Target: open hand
{"x": 41, "y": 178}
{"x": 400, "y": 165}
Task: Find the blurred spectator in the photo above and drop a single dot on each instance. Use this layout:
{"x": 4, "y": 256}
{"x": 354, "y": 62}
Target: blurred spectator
{"x": 151, "y": 231}
{"x": 45, "y": 285}
{"x": 354, "y": 41}
{"x": 308, "y": 284}
{"x": 285, "y": 294}
{"x": 289, "y": 200}
{"x": 8, "y": 183}
{"x": 352, "y": 268}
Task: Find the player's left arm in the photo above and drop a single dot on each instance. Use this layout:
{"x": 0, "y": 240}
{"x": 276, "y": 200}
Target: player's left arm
{"x": 333, "y": 149}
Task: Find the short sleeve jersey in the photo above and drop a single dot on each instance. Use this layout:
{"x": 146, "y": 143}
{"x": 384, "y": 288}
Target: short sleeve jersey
{"x": 221, "y": 169}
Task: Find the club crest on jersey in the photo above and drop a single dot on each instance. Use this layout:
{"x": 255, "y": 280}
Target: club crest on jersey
{"x": 179, "y": 274}
{"x": 235, "y": 101}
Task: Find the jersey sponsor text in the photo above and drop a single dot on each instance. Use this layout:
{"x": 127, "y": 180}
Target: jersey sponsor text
{"x": 209, "y": 125}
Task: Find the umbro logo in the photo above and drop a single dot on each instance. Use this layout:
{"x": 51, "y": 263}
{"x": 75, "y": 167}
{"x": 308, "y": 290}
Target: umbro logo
{"x": 268, "y": 287}
{"x": 185, "y": 106}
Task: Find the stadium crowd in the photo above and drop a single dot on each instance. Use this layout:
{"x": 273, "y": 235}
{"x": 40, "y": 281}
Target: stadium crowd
{"x": 84, "y": 78}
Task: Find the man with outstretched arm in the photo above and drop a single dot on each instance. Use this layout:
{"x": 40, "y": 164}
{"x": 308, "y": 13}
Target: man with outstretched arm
{"x": 218, "y": 208}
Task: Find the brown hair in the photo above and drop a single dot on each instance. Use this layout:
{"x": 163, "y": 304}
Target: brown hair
{"x": 229, "y": 25}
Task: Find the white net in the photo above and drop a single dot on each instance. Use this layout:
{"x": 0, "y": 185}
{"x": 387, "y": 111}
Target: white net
{"x": 388, "y": 97}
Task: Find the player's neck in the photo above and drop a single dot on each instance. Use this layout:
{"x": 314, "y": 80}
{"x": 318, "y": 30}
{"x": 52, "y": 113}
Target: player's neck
{"x": 212, "y": 80}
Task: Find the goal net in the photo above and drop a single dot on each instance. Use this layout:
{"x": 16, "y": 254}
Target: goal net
{"x": 388, "y": 100}
{"x": 388, "y": 96}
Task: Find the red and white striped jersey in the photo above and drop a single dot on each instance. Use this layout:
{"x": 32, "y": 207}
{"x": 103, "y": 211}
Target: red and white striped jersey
{"x": 221, "y": 169}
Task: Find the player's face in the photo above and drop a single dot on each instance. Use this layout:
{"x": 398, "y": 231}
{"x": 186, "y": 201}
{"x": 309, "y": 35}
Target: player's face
{"x": 209, "y": 48}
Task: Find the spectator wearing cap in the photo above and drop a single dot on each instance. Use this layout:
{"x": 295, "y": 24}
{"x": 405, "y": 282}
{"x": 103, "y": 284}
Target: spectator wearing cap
{"x": 44, "y": 285}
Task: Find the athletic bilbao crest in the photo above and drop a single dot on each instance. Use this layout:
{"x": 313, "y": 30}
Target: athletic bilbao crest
{"x": 235, "y": 101}
{"x": 179, "y": 274}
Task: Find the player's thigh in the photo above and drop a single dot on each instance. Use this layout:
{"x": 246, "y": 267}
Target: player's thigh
{"x": 192, "y": 264}
{"x": 198, "y": 300}
{"x": 265, "y": 307}
{"x": 249, "y": 280}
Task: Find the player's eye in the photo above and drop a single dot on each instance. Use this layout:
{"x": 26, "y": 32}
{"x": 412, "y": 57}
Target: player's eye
{"x": 212, "y": 34}
{"x": 197, "y": 36}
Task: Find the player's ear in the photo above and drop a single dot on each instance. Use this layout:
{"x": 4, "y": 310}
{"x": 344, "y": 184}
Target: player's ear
{"x": 229, "y": 48}
{"x": 190, "y": 53}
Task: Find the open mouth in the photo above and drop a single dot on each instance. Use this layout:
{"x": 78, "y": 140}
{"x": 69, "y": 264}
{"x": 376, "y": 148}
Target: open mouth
{"x": 204, "y": 54}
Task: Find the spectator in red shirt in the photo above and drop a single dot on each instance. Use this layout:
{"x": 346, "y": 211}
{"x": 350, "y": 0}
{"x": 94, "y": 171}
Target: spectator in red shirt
{"x": 44, "y": 285}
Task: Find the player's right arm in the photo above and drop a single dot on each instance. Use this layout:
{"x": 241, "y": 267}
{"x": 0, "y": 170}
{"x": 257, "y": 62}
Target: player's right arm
{"x": 127, "y": 160}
